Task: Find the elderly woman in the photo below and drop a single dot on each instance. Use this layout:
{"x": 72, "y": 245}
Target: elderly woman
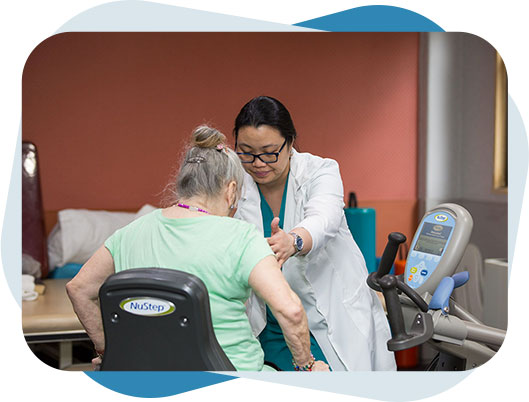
{"x": 198, "y": 235}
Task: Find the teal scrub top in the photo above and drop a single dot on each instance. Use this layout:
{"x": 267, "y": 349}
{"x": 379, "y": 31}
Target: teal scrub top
{"x": 272, "y": 340}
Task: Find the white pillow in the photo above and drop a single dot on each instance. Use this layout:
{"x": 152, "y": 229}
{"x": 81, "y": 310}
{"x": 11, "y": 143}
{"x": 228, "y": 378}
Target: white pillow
{"x": 80, "y": 232}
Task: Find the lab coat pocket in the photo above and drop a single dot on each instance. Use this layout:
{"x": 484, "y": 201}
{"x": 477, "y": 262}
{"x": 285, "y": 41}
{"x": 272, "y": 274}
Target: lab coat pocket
{"x": 359, "y": 309}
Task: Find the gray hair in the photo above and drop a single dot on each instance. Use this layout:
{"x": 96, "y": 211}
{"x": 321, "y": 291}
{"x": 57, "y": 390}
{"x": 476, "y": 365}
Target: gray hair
{"x": 208, "y": 166}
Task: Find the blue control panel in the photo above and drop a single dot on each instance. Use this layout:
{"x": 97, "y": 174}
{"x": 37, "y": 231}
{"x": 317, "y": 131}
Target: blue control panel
{"x": 428, "y": 247}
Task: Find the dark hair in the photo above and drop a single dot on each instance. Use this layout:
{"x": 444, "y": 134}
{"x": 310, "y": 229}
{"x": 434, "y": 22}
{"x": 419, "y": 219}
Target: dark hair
{"x": 265, "y": 110}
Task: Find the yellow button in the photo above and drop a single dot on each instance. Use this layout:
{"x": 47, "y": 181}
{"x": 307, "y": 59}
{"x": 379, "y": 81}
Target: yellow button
{"x": 413, "y": 270}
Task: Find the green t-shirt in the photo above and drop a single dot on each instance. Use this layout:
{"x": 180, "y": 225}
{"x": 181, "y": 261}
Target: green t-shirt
{"x": 221, "y": 251}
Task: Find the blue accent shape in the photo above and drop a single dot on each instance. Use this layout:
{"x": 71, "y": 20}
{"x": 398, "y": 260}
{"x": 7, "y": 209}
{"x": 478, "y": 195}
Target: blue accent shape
{"x": 442, "y": 294}
{"x": 461, "y": 278}
{"x": 424, "y": 272}
{"x": 156, "y": 384}
{"x": 373, "y": 19}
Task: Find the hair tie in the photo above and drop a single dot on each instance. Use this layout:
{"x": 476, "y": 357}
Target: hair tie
{"x": 222, "y": 147}
{"x": 196, "y": 159}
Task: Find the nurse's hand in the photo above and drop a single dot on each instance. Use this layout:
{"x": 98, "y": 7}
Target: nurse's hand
{"x": 281, "y": 243}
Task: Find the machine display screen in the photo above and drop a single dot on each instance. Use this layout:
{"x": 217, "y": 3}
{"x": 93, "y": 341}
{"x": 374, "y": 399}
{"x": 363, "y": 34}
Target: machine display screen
{"x": 433, "y": 238}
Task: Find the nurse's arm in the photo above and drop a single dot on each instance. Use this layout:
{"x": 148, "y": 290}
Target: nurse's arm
{"x": 323, "y": 212}
{"x": 83, "y": 291}
{"x": 269, "y": 284}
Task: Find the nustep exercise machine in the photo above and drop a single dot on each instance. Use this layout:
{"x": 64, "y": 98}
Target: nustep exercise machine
{"x": 419, "y": 304}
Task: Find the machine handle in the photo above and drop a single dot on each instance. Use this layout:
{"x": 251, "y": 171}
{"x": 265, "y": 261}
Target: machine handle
{"x": 442, "y": 295}
{"x": 395, "y": 239}
{"x": 460, "y": 278}
{"x": 422, "y": 326}
{"x": 413, "y": 295}
{"x": 390, "y": 252}
{"x": 388, "y": 283}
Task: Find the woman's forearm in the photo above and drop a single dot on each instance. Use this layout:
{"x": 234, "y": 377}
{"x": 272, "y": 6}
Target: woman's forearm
{"x": 89, "y": 314}
{"x": 83, "y": 291}
{"x": 294, "y": 324}
{"x": 270, "y": 285}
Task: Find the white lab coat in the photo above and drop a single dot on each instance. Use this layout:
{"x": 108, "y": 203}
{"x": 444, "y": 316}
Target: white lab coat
{"x": 344, "y": 315}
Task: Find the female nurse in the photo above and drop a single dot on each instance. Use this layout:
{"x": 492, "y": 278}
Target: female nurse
{"x": 296, "y": 200}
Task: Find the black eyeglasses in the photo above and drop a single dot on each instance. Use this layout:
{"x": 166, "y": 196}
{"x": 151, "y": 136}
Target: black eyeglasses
{"x": 267, "y": 157}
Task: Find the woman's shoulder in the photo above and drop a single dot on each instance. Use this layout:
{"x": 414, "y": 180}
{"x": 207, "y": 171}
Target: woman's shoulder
{"x": 132, "y": 228}
{"x": 236, "y": 224}
{"x": 145, "y": 218}
{"x": 141, "y": 220}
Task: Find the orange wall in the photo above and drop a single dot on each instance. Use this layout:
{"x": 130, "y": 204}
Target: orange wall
{"x": 110, "y": 112}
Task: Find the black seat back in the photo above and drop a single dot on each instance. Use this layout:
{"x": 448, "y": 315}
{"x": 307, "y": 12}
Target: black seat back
{"x": 158, "y": 319}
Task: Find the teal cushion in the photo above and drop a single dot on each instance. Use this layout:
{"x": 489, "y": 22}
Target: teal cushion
{"x": 66, "y": 271}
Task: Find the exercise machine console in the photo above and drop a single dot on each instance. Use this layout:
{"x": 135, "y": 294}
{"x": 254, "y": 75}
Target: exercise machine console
{"x": 437, "y": 247}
